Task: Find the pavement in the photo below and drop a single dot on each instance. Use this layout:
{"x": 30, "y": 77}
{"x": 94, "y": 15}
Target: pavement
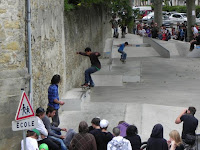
{"x": 147, "y": 90}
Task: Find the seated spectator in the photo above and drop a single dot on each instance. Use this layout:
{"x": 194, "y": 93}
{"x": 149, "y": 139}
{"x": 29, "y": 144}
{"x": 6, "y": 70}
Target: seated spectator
{"x": 52, "y": 144}
{"x": 118, "y": 142}
{"x": 83, "y": 140}
{"x": 63, "y": 140}
{"x": 43, "y": 147}
{"x": 175, "y": 142}
{"x": 97, "y": 133}
{"x": 122, "y": 125}
{"x": 168, "y": 35}
{"x": 195, "y": 41}
{"x": 148, "y": 32}
{"x": 31, "y": 140}
{"x": 156, "y": 141}
{"x": 132, "y": 136}
{"x": 107, "y": 135}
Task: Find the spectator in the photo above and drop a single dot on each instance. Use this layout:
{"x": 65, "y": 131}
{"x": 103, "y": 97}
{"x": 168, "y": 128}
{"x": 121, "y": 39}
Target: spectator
{"x": 175, "y": 142}
{"x": 107, "y": 135}
{"x": 63, "y": 140}
{"x": 118, "y": 142}
{"x": 115, "y": 26}
{"x": 148, "y": 31}
{"x": 40, "y": 114}
{"x": 195, "y": 41}
{"x": 156, "y": 141}
{"x": 195, "y": 31}
{"x": 181, "y": 33}
{"x": 155, "y": 31}
{"x": 53, "y": 98}
{"x": 31, "y": 140}
{"x": 132, "y": 136}
{"x": 190, "y": 124}
{"x": 83, "y": 140}
{"x": 97, "y": 133}
{"x": 122, "y": 125}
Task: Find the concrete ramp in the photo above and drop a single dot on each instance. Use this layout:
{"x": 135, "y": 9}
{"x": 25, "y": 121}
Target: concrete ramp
{"x": 135, "y": 52}
{"x": 195, "y": 53}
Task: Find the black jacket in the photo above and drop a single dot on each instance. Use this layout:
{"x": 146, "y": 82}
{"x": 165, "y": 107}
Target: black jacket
{"x": 156, "y": 141}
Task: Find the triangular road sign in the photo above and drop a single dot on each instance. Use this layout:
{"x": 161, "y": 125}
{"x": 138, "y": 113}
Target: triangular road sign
{"x": 24, "y": 109}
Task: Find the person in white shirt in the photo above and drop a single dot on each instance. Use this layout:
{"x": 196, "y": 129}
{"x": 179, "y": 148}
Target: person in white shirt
{"x": 52, "y": 144}
{"x": 31, "y": 140}
{"x": 118, "y": 142}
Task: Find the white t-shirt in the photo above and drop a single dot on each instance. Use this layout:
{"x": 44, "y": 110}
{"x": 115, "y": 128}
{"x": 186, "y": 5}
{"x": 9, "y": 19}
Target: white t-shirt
{"x": 31, "y": 144}
{"x": 195, "y": 30}
{"x": 41, "y": 128}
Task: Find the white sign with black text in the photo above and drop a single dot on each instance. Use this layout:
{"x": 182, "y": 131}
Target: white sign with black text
{"x": 29, "y": 123}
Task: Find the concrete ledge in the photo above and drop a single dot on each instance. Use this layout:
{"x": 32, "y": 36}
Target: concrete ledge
{"x": 159, "y": 48}
{"x": 74, "y": 99}
{"x": 107, "y": 79}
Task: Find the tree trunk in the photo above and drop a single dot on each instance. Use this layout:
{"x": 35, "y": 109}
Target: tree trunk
{"x": 158, "y": 12}
{"x": 191, "y": 18}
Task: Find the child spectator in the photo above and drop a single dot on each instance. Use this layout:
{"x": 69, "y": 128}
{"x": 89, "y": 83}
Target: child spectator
{"x": 175, "y": 142}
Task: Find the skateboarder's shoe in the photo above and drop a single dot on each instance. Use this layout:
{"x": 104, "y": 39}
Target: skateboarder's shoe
{"x": 85, "y": 85}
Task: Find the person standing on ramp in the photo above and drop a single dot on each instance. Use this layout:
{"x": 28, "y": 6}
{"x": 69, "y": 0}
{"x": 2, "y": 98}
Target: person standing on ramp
{"x": 95, "y": 66}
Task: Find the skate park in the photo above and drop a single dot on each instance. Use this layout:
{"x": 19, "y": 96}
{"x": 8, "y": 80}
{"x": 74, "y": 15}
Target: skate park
{"x": 158, "y": 81}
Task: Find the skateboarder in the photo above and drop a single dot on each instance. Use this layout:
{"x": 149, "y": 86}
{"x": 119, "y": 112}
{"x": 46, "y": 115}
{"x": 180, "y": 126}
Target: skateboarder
{"x": 95, "y": 66}
{"x": 121, "y": 50}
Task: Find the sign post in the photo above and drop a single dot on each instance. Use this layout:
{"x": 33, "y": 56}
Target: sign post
{"x": 24, "y": 117}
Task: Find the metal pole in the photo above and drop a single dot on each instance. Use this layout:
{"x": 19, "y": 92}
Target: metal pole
{"x": 24, "y": 137}
{"x": 24, "y": 132}
{"x": 29, "y": 50}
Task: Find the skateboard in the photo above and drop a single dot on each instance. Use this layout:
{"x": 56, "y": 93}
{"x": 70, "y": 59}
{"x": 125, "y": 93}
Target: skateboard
{"x": 85, "y": 88}
{"x": 123, "y": 61}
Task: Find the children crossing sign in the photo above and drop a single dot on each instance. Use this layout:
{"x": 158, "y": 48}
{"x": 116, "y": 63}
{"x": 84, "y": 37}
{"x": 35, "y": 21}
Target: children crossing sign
{"x": 24, "y": 109}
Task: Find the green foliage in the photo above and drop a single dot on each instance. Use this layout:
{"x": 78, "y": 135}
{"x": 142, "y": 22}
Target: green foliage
{"x": 116, "y": 6}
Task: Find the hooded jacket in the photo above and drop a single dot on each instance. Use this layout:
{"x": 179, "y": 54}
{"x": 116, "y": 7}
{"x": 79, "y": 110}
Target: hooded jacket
{"x": 119, "y": 143}
{"x": 156, "y": 141}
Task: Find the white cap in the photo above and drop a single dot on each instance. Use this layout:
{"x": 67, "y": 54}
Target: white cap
{"x": 104, "y": 123}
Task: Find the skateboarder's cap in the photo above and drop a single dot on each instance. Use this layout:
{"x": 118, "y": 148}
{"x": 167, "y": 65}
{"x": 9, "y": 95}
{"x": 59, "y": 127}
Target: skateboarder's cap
{"x": 104, "y": 123}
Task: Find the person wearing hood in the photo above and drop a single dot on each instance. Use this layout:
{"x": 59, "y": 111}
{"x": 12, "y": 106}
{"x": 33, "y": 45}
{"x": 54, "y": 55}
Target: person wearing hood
{"x": 118, "y": 142}
{"x": 122, "y": 125}
{"x": 156, "y": 141}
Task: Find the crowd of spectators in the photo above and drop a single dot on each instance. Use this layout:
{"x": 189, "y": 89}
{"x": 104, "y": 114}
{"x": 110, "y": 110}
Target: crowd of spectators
{"x": 96, "y": 137}
{"x": 178, "y": 33}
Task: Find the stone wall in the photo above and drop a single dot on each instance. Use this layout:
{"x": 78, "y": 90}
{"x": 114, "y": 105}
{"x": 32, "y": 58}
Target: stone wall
{"x": 84, "y": 29}
{"x": 13, "y": 71}
{"x": 56, "y": 37}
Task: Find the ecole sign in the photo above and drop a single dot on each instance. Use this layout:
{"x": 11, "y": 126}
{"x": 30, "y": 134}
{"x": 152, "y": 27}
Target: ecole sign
{"x": 24, "y": 109}
{"x": 29, "y": 123}
{"x": 25, "y": 116}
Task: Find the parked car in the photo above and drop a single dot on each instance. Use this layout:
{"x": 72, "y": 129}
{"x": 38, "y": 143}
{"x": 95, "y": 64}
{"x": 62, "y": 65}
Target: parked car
{"x": 144, "y": 10}
{"x": 178, "y": 17}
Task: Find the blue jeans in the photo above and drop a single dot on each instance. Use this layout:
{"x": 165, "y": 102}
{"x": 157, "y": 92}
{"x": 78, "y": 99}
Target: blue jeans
{"x": 65, "y": 142}
{"x": 88, "y": 72}
{"x": 123, "y": 56}
{"x": 63, "y": 146}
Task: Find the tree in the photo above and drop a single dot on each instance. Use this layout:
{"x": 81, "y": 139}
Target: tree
{"x": 191, "y": 18}
{"x": 158, "y": 11}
